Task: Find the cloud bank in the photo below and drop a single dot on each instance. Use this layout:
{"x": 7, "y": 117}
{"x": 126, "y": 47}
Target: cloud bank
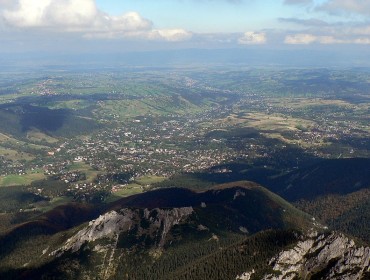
{"x": 82, "y": 16}
{"x": 346, "y": 6}
{"x": 84, "y": 19}
{"x": 298, "y": 2}
{"x": 305, "y": 39}
{"x": 252, "y": 38}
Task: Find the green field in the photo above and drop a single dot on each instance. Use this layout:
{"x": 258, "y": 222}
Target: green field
{"x": 128, "y": 190}
{"x": 136, "y": 187}
{"x": 91, "y": 174}
{"x": 18, "y": 180}
{"x": 15, "y": 155}
{"x": 56, "y": 201}
{"x": 148, "y": 180}
{"x": 38, "y": 136}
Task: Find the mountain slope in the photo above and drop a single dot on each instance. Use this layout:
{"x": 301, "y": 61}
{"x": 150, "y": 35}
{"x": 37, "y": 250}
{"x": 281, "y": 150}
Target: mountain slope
{"x": 334, "y": 176}
{"x": 336, "y": 191}
{"x": 17, "y": 119}
{"x": 148, "y": 226}
{"x": 168, "y": 234}
{"x": 20, "y": 243}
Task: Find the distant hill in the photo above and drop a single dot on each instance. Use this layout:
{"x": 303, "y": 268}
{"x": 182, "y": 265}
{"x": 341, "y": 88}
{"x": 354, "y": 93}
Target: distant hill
{"x": 255, "y": 204}
{"x": 336, "y": 191}
{"x": 333, "y": 176}
{"x": 17, "y": 119}
{"x": 320, "y": 177}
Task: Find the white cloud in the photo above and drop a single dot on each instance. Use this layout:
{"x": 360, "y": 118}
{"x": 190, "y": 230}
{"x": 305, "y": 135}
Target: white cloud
{"x": 346, "y": 6}
{"x": 51, "y": 13}
{"x": 173, "y": 35}
{"x": 361, "y": 30}
{"x": 326, "y": 40}
{"x": 305, "y": 22}
{"x": 298, "y": 2}
{"x": 300, "y": 39}
{"x": 252, "y": 38}
{"x": 362, "y": 41}
{"x": 170, "y": 35}
{"x": 71, "y": 15}
{"x": 305, "y": 39}
{"x": 352, "y": 27}
{"x": 6, "y": 3}
{"x": 84, "y": 17}
{"x": 131, "y": 21}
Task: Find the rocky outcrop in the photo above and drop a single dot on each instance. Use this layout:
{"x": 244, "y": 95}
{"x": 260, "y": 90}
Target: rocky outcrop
{"x": 245, "y": 275}
{"x": 167, "y": 219}
{"x": 325, "y": 256}
{"x": 113, "y": 223}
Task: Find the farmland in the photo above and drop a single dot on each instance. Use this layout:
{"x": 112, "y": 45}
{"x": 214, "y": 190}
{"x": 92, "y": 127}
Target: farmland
{"x": 124, "y": 131}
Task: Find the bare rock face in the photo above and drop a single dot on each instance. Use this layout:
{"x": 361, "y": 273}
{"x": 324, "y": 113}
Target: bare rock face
{"x": 113, "y": 223}
{"x": 167, "y": 218}
{"x": 332, "y": 256}
{"x": 245, "y": 275}
{"x": 354, "y": 258}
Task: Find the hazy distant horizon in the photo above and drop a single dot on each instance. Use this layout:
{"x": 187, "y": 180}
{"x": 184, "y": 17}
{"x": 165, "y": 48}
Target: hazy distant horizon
{"x": 188, "y": 58}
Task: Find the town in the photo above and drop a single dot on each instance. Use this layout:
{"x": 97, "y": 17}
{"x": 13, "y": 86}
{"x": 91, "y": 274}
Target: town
{"x": 252, "y": 125}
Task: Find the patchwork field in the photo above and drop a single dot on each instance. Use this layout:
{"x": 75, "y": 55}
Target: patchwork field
{"x": 38, "y": 136}
{"x": 15, "y": 155}
{"x": 18, "y": 180}
{"x": 90, "y": 173}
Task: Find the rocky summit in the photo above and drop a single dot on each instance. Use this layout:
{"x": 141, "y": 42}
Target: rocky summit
{"x": 330, "y": 256}
{"x": 113, "y": 223}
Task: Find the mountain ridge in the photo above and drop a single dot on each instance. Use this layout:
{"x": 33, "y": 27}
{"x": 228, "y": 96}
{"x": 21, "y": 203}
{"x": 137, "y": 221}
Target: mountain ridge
{"x": 169, "y": 234}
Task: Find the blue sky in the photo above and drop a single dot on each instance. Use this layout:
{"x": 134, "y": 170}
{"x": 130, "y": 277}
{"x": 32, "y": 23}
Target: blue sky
{"x": 203, "y": 15}
{"x": 159, "y": 24}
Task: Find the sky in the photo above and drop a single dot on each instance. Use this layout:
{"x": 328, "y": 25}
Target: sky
{"x": 130, "y": 25}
